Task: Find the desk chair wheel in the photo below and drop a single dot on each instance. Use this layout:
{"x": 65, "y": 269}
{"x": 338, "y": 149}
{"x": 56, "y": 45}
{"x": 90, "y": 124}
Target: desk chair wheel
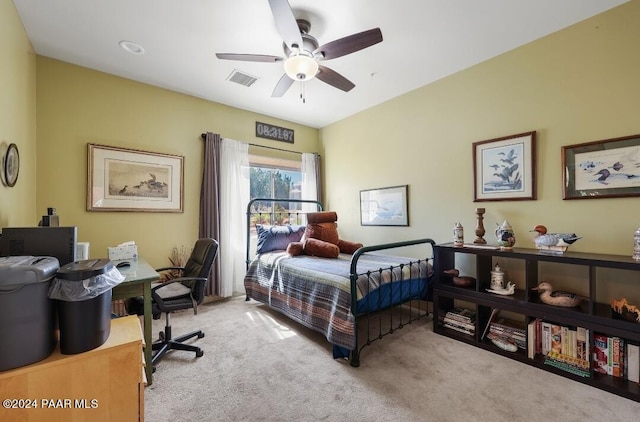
{"x": 199, "y": 354}
{"x": 161, "y": 335}
{"x": 200, "y": 334}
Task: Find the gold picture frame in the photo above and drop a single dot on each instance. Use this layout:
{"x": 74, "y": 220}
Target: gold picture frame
{"x": 123, "y": 179}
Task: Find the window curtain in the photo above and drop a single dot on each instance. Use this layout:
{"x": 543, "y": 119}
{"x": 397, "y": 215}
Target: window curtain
{"x": 234, "y": 197}
{"x": 310, "y": 187}
{"x": 210, "y": 204}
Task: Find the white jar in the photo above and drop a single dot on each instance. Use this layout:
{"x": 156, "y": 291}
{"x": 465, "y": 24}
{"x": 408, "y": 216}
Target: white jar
{"x": 636, "y": 245}
{"x": 458, "y": 234}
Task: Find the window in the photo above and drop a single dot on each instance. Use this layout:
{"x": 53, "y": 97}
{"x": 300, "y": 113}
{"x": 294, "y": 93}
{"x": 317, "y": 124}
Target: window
{"x": 274, "y": 178}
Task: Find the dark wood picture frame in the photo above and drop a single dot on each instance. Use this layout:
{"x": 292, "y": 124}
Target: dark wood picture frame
{"x": 384, "y": 206}
{"x": 608, "y": 168}
{"x": 504, "y": 169}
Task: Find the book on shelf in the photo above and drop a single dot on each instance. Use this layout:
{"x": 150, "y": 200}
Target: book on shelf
{"x": 461, "y": 314}
{"x": 556, "y": 338}
{"x": 494, "y": 314}
{"x": 567, "y": 363}
{"x": 601, "y": 354}
{"x": 617, "y": 350}
{"x": 509, "y": 326}
{"x": 545, "y": 328}
{"x": 569, "y": 341}
{"x": 538, "y": 334}
{"x": 582, "y": 343}
{"x": 458, "y": 324}
{"x": 459, "y": 329}
{"x": 533, "y": 335}
{"x": 632, "y": 362}
{"x": 584, "y": 364}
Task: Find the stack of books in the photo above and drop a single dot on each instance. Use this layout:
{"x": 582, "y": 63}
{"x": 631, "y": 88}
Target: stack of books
{"x": 461, "y": 319}
{"x": 567, "y": 363}
{"x": 510, "y": 329}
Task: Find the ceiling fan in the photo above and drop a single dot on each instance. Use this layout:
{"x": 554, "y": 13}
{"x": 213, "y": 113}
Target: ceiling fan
{"x": 302, "y": 53}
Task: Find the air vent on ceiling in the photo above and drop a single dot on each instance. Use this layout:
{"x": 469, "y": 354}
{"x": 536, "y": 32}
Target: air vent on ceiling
{"x": 241, "y": 78}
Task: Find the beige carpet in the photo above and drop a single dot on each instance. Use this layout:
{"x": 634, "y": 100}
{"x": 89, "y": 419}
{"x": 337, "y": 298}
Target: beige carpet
{"x": 259, "y": 366}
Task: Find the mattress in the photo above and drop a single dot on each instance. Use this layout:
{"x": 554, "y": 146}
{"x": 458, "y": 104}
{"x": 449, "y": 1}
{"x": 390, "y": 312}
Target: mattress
{"x": 316, "y": 292}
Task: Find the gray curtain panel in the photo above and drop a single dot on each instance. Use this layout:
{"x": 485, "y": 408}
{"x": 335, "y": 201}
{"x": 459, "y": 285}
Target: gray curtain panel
{"x": 210, "y": 204}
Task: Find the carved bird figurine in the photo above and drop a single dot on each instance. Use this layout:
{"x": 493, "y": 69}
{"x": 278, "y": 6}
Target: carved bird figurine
{"x": 558, "y": 297}
{"x": 544, "y": 239}
{"x": 463, "y": 281}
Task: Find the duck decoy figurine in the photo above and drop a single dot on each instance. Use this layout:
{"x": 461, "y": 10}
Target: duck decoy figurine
{"x": 555, "y": 242}
{"x": 558, "y": 297}
{"x": 462, "y": 281}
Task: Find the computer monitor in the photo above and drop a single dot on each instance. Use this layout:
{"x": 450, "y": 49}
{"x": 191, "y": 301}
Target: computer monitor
{"x": 59, "y": 242}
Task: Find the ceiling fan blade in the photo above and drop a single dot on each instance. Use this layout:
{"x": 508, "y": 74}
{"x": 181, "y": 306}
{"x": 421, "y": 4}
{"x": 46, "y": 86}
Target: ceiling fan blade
{"x": 282, "y": 86}
{"x": 249, "y": 57}
{"x": 334, "y": 79}
{"x": 286, "y": 23}
{"x": 347, "y": 45}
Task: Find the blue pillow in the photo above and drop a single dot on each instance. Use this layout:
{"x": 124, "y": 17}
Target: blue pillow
{"x": 277, "y": 238}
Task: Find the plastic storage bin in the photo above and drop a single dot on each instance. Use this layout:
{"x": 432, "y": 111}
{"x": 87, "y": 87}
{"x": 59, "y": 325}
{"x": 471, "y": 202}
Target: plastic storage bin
{"x": 27, "y": 315}
{"x": 82, "y": 290}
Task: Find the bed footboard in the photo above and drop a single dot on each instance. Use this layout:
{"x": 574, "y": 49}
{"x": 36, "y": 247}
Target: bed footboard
{"x": 408, "y": 285}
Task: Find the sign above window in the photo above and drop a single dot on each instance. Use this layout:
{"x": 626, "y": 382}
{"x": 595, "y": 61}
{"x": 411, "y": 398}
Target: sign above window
{"x": 277, "y": 133}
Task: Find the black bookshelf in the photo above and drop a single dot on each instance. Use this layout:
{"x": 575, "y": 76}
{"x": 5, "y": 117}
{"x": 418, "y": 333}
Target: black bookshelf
{"x": 594, "y": 316}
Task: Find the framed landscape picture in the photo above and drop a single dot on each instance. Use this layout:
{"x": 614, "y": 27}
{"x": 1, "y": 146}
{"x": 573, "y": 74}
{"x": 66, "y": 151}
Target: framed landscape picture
{"x": 504, "y": 169}
{"x": 121, "y": 179}
{"x": 602, "y": 169}
{"x": 384, "y": 206}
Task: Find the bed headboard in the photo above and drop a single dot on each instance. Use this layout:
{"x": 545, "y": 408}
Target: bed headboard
{"x": 275, "y": 212}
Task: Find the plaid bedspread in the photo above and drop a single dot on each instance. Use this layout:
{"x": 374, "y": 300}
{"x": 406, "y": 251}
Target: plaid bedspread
{"x": 316, "y": 292}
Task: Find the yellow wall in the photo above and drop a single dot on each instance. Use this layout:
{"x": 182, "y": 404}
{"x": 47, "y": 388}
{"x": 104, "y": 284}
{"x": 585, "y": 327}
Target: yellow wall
{"x": 17, "y": 116}
{"x": 578, "y": 85}
{"x": 77, "y": 106}
{"x": 575, "y": 86}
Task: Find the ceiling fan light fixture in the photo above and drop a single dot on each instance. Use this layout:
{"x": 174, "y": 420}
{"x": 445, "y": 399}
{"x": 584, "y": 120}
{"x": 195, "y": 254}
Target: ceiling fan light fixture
{"x": 301, "y": 67}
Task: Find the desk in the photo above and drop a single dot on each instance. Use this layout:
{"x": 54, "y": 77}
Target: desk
{"x": 139, "y": 277}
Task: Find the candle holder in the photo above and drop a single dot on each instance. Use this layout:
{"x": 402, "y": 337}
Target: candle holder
{"x": 480, "y": 228}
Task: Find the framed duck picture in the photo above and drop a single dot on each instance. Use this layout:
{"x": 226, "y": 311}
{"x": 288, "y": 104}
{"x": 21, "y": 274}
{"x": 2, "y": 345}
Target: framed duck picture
{"x": 504, "y": 169}
{"x": 602, "y": 169}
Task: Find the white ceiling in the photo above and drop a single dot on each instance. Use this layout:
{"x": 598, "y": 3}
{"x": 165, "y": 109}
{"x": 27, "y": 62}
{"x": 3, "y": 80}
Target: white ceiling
{"x": 424, "y": 40}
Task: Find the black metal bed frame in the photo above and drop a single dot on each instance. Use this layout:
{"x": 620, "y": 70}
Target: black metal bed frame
{"x": 416, "y": 310}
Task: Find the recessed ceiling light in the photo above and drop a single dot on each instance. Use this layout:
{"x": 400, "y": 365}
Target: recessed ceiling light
{"x": 131, "y": 47}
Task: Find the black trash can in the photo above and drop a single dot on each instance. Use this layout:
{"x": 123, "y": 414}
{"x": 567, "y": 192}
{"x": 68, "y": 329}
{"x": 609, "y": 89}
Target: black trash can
{"x": 82, "y": 291}
{"x": 27, "y": 317}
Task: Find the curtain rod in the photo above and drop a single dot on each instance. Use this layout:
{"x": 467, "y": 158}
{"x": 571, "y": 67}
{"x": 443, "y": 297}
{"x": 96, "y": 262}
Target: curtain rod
{"x": 204, "y": 135}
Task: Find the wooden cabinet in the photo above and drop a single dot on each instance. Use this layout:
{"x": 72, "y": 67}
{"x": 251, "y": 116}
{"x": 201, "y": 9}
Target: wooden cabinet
{"x": 584, "y": 269}
{"x": 103, "y": 384}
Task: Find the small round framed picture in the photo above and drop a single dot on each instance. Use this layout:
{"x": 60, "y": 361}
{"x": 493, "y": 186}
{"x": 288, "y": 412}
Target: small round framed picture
{"x": 11, "y": 165}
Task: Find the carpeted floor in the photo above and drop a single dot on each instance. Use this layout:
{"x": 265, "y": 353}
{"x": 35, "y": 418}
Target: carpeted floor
{"x": 260, "y": 366}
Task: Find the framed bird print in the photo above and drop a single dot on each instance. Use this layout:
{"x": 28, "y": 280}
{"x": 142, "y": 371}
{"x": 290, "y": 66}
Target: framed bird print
{"x": 504, "y": 169}
{"x": 121, "y": 179}
{"x": 602, "y": 169}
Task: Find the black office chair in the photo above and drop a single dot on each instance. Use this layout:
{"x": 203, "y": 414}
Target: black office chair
{"x": 185, "y": 292}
